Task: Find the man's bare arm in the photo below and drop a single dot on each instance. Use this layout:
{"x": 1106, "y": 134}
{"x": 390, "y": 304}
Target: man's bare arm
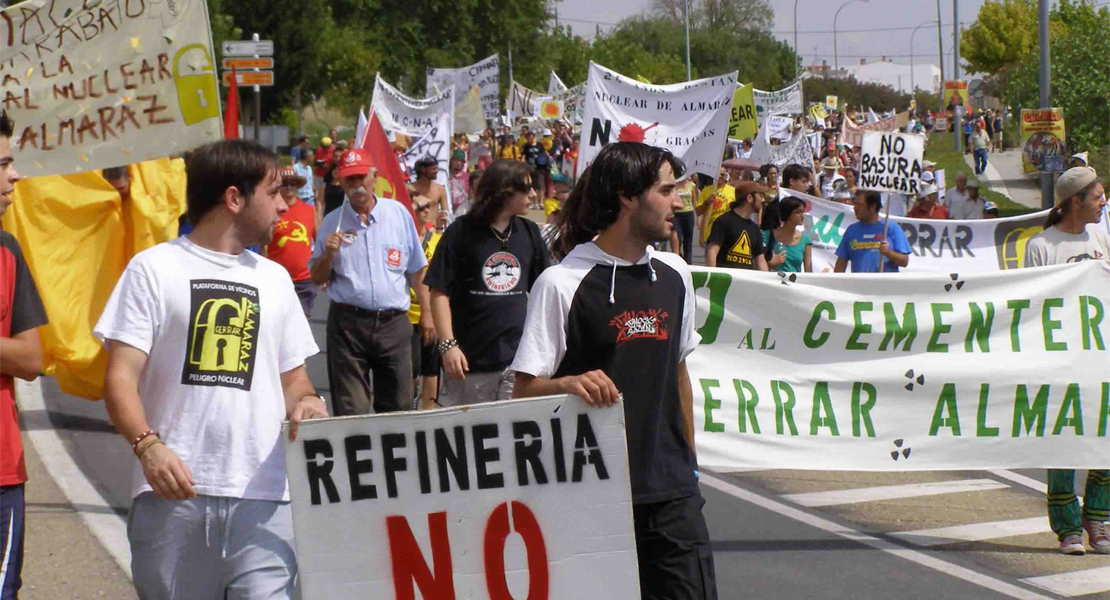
{"x": 21, "y": 355}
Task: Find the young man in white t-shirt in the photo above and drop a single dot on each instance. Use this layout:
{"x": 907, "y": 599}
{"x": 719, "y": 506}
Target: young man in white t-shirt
{"x": 1068, "y": 238}
{"x": 206, "y": 350}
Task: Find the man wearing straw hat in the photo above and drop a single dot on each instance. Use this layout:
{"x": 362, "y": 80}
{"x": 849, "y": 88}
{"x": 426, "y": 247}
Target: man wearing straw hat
{"x": 291, "y": 244}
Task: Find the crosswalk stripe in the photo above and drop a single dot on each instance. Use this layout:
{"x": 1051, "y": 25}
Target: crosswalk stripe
{"x": 974, "y": 532}
{"x": 1074, "y": 583}
{"x": 893, "y": 492}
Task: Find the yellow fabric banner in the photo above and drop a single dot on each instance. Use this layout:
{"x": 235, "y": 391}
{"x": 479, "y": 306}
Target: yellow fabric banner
{"x": 78, "y": 237}
{"x": 742, "y": 122}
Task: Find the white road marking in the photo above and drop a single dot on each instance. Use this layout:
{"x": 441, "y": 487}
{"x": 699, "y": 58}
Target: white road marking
{"x": 108, "y": 527}
{"x": 974, "y": 532}
{"x": 915, "y": 556}
{"x": 1074, "y": 583}
{"x": 893, "y": 492}
{"x": 1028, "y": 482}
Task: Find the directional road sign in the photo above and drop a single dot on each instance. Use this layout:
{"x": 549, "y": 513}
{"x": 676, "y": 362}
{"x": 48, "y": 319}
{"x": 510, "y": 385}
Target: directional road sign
{"x": 243, "y": 64}
{"x": 263, "y": 78}
{"x": 249, "y": 48}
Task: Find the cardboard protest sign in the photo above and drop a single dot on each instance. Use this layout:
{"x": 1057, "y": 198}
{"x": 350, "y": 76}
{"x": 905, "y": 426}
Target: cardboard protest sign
{"x": 779, "y": 128}
{"x": 742, "y": 123}
{"x": 923, "y": 371}
{"x": 787, "y": 101}
{"x": 1042, "y": 140}
{"x": 401, "y": 114}
{"x": 955, "y": 95}
{"x": 690, "y": 119}
{"x": 93, "y": 85}
{"x": 830, "y": 103}
{"x": 891, "y": 162}
{"x": 485, "y": 74}
{"x": 573, "y": 99}
{"x": 427, "y": 502}
{"x": 940, "y": 246}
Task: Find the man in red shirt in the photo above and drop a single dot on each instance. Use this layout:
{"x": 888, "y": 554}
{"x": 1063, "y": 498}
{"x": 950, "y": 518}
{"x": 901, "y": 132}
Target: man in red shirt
{"x": 927, "y": 207}
{"x": 325, "y": 158}
{"x": 291, "y": 244}
{"x": 21, "y": 314}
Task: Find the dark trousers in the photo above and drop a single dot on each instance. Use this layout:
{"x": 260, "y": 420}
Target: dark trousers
{"x": 980, "y": 161}
{"x": 12, "y": 509}
{"x": 685, "y": 223}
{"x": 675, "y": 556}
{"x": 361, "y": 341}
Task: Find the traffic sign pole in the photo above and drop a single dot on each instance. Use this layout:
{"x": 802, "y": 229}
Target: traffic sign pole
{"x": 257, "y": 104}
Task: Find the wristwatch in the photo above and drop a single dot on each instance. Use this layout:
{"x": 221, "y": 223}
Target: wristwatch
{"x": 444, "y": 345}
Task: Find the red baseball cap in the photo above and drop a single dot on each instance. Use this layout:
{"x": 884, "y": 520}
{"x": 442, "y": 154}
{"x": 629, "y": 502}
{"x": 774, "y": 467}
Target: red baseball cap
{"x": 354, "y": 162}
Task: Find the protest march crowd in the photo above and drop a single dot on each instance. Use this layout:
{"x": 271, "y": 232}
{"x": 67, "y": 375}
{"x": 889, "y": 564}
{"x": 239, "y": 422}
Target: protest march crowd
{"x": 451, "y": 295}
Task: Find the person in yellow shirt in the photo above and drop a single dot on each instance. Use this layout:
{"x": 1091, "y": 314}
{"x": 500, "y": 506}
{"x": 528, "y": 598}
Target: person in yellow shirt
{"x": 425, "y": 360}
{"x": 509, "y": 149}
{"x": 555, "y": 204}
{"x": 711, "y": 206}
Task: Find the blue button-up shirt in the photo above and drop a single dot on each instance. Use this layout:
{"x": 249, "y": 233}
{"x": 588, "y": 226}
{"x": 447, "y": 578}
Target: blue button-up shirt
{"x": 375, "y": 258}
{"x": 307, "y": 192}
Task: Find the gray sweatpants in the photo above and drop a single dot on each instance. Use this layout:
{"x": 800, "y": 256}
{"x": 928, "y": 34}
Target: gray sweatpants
{"x": 211, "y": 548}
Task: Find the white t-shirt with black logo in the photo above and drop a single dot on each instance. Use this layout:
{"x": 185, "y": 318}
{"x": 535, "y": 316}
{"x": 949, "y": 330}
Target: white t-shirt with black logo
{"x": 1054, "y": 247}
{"x": 218, "y": 330}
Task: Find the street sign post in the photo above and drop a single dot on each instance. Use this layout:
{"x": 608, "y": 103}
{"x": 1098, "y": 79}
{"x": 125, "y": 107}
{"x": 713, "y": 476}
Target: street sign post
{"x": 259, "y": 78}
{"x": 249, "y": 48}
{"x": 243, "y": 64}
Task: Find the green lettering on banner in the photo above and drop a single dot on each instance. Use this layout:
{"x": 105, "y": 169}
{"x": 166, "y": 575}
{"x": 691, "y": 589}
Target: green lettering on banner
{"x": 1048, "y": 324}
{"x": 1032, "y": 416}
{"x": 946, "y": 402}
{"x": 747, "y": 405}
{"x": 783, "y": 410}
{"x": 711, "y": 404}
{"x": 822, "y": 403}
{"x": 1017, "y": 306}
{"x": 907, "y": 330}
{"x": 1090, "y": 325}
{"x": 747, "y": 341}
{"x": 861, "y": 328}
{"x": 981, "y": 429}
{"x": 980, "y": 328}
{"x": 939, "y": 328}
{"x": 718, "y": 289}
{"x": 829, "y": 234}
{"x": 1075, "y": 420}
{"x": 822, "y": 307}
{"x": 862, "y": 412}
{"x": 1104, "y": 410}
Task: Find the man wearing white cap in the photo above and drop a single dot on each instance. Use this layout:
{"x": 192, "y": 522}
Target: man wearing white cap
{"x": 1080, "y": 200}
{"x": 969, "y": 206}
{"x": 927, "y": 207}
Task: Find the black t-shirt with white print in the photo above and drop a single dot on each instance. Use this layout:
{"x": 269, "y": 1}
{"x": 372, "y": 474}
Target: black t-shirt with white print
{"x": 638, "y": 340}
{"x": 486, "y": 281}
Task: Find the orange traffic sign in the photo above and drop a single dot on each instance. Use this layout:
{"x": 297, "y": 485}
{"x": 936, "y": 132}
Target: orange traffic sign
{"x": 250, "y": 78}
{"x": 243, "y": 64}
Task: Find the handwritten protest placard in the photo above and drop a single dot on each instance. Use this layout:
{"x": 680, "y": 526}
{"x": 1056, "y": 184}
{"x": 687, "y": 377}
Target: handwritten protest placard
{"x": 891, "y": 162}
{"x": 779, "y": 128}
{"x": 787, "y": 101}
{"x": 410, "y": 116}
{"x": 426, "y": 502}
{"x": 485, "y": 74}
{"x": 93, "y": 85}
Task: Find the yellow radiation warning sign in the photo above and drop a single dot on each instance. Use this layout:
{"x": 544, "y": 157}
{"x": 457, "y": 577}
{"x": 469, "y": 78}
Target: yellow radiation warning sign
{"x": 223, "y": 331}
{"x": 741, "y": 251}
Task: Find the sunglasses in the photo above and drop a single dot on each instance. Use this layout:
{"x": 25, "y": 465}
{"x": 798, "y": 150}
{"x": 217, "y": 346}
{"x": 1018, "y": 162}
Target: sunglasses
{"x": 423, "y": 207}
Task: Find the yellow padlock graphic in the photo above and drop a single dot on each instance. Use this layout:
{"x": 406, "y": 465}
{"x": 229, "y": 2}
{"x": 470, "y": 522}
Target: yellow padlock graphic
{"x": 196, "y": 88}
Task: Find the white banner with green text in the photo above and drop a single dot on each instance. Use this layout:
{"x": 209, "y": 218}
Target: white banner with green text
{"x": 914, "y": 371}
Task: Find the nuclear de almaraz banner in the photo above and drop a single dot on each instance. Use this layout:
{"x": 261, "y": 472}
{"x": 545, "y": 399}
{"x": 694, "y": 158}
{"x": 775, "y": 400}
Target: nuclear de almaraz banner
{"x": 388, "y": 505}
{"x": 484, "y": 74}
{"x": 690, "y": 119}
{"x": 939, "y": 246}
{"x": 913, "y": 372}
{"x": 410, "y": 116}
{"x": 93, "y": 85}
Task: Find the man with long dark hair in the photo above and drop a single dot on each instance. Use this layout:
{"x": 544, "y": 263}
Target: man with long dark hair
{"x": 614, "y": 322}
{"x": 479, "y": 277}
{"x": 1080, "y": 200}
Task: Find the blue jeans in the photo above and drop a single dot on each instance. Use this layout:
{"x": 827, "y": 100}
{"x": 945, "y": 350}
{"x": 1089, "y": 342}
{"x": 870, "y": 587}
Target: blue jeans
{"x": 980, "y": 161}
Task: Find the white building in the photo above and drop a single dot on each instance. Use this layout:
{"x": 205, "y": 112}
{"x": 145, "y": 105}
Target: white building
{"x": 925, "y": 76}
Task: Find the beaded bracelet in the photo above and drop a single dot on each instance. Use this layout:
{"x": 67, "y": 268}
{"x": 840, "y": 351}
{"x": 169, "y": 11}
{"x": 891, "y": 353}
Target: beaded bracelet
{"x": 142, "y": 436}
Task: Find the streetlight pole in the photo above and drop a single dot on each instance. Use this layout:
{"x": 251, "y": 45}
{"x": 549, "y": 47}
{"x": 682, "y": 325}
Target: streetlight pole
{"x": 940, "y": 51}
{"x": 957, "y": 127}
{"x": 1045, "y": 78}
{"x": 913, "y": 86}
{"x": 796, "y": 39}
{"x": 836, "y": 50}
{"x": 688, "y": 40}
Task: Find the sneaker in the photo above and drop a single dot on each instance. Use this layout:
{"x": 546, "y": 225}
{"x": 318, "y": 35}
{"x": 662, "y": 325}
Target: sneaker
{"x": 1073, "y": 545}
{"x": 1097, "y": 535}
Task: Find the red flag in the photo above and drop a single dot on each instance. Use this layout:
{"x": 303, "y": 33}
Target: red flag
{"x": 391, "y": 182}
{"x": 231, "y": 115}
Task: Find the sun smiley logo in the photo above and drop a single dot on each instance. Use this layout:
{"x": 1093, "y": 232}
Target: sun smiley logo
{"x": 634, "y": 132}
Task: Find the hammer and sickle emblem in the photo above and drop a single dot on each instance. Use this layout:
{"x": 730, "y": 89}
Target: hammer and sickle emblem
{"x": 299, "y": 234}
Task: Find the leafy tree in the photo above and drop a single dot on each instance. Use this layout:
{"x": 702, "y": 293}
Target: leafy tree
{"x": 1005, "y": 33}
{"x": 735, "y": 16}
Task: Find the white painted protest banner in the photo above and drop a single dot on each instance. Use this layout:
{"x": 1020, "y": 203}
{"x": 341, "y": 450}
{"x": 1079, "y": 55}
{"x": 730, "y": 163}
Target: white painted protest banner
{"x": 795, "y": 151}
{"x": 779, "y": 128}
{"x": 555, "y": 86}
{"x": 394, "y": 505}
{"x": 891, "y": 162}
{"x": 437, "y": 144}
{"x": 939, "y": 246}
{"x": 401, "y": 114}
{"x": 485, "y": 74}
{"x": 95, "y": 85}
{"x": 919, "y": 371}
{"x": 469, "y": 116}
{"x": 690, "y": 119}
{"x": 852, "y": 135}
{"x": 574, "y": 100}
{"x": 787, "y": 101}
